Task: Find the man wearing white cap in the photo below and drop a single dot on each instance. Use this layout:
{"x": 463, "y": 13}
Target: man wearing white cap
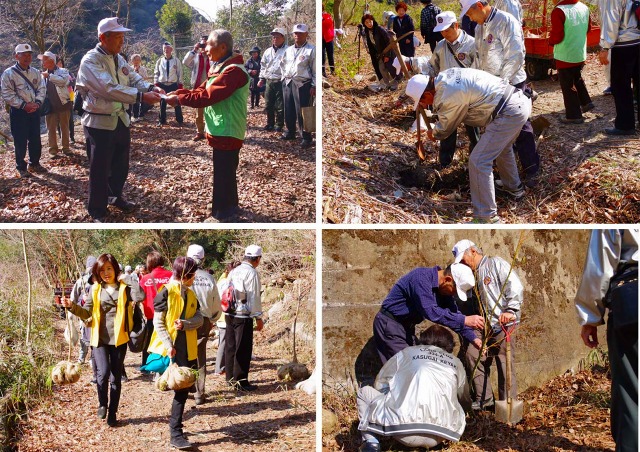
{"x": 108, "y": 85}
{"x": 60, "y": 106}
{"x": 23, "y": 89}
{"x": 206, "y": 290}
{"x": 478, "y": 99}
{"x": 424, "y": 293}
{"x": 457, "y": 49}
{"x": 298, "y": 82}
{"x": 239, "y": 336}
{"x": 168, "y": 76}
{"x": 271, "y": 76}
{"x": 501, "y": 51}
{"x": 500, "y": 292}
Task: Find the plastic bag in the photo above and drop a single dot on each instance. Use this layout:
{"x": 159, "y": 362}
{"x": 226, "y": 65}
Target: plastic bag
{"x": 176, "y": 378}
{"x": 156, "y": 363}
{"x": 71, "y": 334}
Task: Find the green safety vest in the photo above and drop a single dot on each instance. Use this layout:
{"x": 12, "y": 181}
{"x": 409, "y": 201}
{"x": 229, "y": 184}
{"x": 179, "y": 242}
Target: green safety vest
{"x": 228, "y": 118}
{"x": 573, "y": 48}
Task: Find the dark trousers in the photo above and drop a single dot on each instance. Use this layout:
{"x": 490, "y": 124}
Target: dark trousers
{"x": 376, "y": 64}
{"x": 574, "y": 91}
{"x": 203, "y": 338}
{"x": 225, "y": 183}
{"x": 625, "y": 67}
{"x": 25, "y": 128}
{"x": 108, "y": 165}
{"x": 448, "y": 145}
{"x": 139, "y": 109}
{"x": 391, "y": 336}
{"x": 525, "y": 146}
{"x": 147, "y": 341}
{"x": 180, "y": 397}
{"x": 274, "y": 103}
{"x": 255, "y": 97}
{"x": 238, "y": 349}
{"x": 163, "y": 104}
{"x": 295, "y": 97}
{"x": 109, "y": 361}
{"x": 406, "y": 48}
{"x": 327, "y": 53}
{"x": 623, "y": 359}
{"x": 432, "y": 38}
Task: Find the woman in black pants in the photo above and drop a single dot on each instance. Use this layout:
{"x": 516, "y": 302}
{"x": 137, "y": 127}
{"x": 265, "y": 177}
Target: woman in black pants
{"x": 113, "y": 295}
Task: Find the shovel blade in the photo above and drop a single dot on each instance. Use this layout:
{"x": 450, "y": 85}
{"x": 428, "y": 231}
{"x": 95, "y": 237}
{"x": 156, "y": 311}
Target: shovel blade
{"x": 503, "y": 414}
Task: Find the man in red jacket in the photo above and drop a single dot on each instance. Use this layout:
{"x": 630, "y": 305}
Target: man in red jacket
{"x": 151, "y": 283}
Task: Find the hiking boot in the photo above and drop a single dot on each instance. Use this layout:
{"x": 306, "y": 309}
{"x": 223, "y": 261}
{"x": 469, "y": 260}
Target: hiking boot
{"x": 369, "y": 446}
{"x": 245, "y": 386}
{"x": 123, "y": 205}
{"x": 111, "y": 420}
{"x": 67, "y": 152}
{"x": 288, "y": 136}
{"x": 23, "y": 174}
{"x": 200, "y": 400}
{"x": 607, "y": 92}
{"x": 102, "y": 412}
{"x": 198, "y": 137}
{"x": 180, "y": 443}
{"x": 268, "y": 128}
{"x": 278, "y": 129}
{"x": 492, "y": 220}
{"x": 307, "y": 143}
{"x": 53, "y": 152}
{"x": 36, "y": 168}
{"x": 585, "y": 108}
{"x": 516, "y": 194}
{"x": 616, "y": 131}
{"x": 487, "y": 404}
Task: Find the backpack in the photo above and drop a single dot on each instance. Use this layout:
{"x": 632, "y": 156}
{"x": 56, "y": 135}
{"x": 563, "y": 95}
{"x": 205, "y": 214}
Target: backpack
{"x": 228, "y": 299}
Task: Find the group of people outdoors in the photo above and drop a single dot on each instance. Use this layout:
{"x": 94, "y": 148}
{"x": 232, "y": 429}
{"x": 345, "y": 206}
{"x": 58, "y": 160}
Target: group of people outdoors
{"x": 181, "y": 307}
{"x": 475, "y": 76}
{"x": 113, "y": 92}
{"x": 422, "y": 392}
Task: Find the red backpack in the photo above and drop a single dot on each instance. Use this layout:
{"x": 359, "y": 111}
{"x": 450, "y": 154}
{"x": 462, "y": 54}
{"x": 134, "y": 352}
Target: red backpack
{"x": 228, "y": 300}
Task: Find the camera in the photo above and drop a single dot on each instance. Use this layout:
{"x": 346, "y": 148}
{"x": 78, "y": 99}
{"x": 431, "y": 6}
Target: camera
{"x": 202, "y": 45}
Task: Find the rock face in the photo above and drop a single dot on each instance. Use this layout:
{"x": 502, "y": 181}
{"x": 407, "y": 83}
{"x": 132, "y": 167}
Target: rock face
{"x": 361, "y": 266}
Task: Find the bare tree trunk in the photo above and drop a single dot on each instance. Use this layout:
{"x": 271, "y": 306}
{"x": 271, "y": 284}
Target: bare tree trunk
{"x": 128, "y": 13}
{"x": 337, "y": 13}
{"x": 230, "y": 11}
{"x": 26, "y": 263}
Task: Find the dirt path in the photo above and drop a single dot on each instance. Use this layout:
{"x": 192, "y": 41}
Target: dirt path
{"x": 170, "y": 178}
{"x": 371, "y": 172}
{"x": 274, "y": 417}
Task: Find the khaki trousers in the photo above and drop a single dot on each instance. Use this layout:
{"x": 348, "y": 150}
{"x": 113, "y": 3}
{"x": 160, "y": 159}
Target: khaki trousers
{"x": 60, "y": 118}
{"x": 200, "y": 120}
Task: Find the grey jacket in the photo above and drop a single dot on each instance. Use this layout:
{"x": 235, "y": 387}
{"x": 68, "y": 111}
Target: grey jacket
{"x": 500, "y": 289}
{"x": 270, "y": 63}
{"x": 60, "y": 79}
{"x": 465, "y": 95}
{"x": 206, "y": 290}
{"x": 618, "y": 27}
{"x": 500, "y": 47}
{"x": 246, "y": 282}
{"x": 607, "y": 249}
{"x": 512, "y": 7}
{"x": 442, "y": 59}
{"x": 106, "y": 91}
{"x": 16, "y": 92}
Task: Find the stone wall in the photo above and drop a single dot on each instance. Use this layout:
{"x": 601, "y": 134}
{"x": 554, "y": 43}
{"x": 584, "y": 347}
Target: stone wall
{"x": 360, "y": 266}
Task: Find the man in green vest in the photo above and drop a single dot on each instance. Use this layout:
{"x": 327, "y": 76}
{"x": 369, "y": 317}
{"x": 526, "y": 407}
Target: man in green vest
{"x": 224, "y": 99}
{"x": 570, "y": 22}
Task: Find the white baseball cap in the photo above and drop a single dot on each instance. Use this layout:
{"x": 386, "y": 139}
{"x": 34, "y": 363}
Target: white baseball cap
{"x": 110, "y": 24}
{"x": 22, "y": 48}
{"x": 128, "y": 268}
{"x": 459, "y": 249}
{"x": 48, "y": 55}
{"x": 463, "y": 277}
{"x": 279, "y": 30}
{"x": 253, "y": 251}
{"x": 415, "y": 88}
{"x": 195, "y": 251}
{"x": 464, "y": 7}
{"x": 300, "y": 28}
{"x": 444, "y": 20}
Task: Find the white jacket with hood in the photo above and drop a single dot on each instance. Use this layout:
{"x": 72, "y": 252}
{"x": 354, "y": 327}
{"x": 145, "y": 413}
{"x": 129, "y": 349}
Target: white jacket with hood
{"x": 420, "y": 386}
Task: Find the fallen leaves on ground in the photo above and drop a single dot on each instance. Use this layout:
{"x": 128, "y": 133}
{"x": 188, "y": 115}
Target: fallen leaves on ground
{"x": 170, "y": 178}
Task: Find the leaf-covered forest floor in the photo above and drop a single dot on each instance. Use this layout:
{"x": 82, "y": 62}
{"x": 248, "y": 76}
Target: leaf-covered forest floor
{"x": 372, "y": 174}
{"x": 170, "y": 178}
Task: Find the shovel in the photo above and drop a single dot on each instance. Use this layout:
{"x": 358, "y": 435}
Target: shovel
{"x": 509, "y": 411}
